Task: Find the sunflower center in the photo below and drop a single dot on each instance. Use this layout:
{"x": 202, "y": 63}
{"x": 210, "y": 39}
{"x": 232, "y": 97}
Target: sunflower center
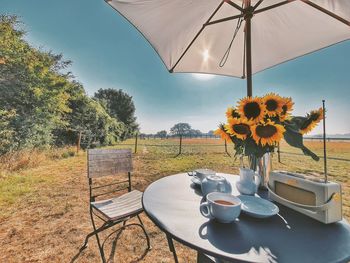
{"x": 266, "y": 131}
{"x": 271, "y": 105}
{"x": 235, "y": 114}
{"x": 252, "y": 110}
{"x": 241, "y": 128}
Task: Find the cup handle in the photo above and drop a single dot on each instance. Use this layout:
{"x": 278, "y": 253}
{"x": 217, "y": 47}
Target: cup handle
{"x": 204, "y": 208}
{"x": 258, "y": 179}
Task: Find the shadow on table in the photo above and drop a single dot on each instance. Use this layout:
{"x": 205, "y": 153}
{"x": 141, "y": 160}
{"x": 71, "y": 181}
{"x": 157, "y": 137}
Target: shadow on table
{"x": 196, "y": 189}
{"x": 214, "y": 232}
{"x": 290, "y": 231}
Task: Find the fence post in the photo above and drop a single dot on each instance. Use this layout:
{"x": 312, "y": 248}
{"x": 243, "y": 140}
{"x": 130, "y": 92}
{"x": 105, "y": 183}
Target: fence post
{"x": 136, "y": 142}
{"x": 279, "y": 153}
{"x": 180, "y": 149}
{"x": 79, "y": 142}
{"x": 226, "y": 149}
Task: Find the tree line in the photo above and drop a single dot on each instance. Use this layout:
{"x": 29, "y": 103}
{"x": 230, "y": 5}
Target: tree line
{"x": 179, "y": 129}
{"x": 42, "y": 104}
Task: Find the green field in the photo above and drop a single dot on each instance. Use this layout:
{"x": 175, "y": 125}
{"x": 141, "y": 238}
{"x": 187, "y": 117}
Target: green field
{"x": 44, "y": 196}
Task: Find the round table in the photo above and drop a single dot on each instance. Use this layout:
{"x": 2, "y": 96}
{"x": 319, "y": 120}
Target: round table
{"x": 173, "y": 202}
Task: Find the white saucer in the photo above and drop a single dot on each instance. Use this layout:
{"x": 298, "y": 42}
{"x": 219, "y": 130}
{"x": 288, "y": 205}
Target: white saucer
{"x": 258, "y": 207}
{"x": 196, "y": 180}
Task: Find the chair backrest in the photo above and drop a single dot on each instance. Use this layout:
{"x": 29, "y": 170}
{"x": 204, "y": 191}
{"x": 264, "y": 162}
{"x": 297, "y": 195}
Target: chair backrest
{"x": 105, "y": 162}
{"x": 108, "y": 162}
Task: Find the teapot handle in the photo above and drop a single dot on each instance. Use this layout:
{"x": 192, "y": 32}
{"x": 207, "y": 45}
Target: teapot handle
{"x": 224, "y": 187}
{"x": 221, "y": 187}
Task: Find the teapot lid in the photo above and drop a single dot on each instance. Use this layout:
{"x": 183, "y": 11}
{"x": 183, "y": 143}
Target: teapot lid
{"x": 215, "y": 178}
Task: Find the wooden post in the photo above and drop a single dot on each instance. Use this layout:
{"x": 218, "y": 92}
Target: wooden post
{"x": 78, "y": 142}
{"x": 279, "y": 153}
{"x": 226, "y": 149}
{"x": 180, "y": 149}
{"x": 136, "y": 142}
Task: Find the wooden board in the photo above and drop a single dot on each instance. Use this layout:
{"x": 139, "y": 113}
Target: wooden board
{"x": 104, "y": 162}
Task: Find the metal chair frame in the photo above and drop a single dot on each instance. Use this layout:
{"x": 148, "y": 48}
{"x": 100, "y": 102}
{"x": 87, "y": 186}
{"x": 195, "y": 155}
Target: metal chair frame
{"x": 107, "y": 223}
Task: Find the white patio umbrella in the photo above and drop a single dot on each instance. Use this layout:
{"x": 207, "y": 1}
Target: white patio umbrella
{"x": 238, "y": 37}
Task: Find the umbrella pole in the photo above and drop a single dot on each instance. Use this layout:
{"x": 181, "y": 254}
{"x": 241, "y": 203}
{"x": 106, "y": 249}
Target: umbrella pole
{"x": 248, "y": 35}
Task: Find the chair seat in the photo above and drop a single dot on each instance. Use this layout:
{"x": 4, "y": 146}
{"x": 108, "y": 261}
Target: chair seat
{"x": 120, "y": 207}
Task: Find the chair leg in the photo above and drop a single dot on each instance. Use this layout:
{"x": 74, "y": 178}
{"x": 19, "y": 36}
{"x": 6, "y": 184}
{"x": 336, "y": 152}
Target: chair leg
{"x": 138, "y": 216}
{"x": 145, "y": 232}
{"x": 84, "y": 246}
{"x": 104, "y": 227}
{"x": 98, "y": 239}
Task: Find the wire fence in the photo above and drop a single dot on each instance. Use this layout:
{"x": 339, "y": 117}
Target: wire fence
{"x": 209, "y": 143}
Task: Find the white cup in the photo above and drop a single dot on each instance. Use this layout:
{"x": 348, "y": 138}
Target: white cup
{"x": 220, "y": 206}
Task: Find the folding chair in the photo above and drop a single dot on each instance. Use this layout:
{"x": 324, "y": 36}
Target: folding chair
{"x": 115, "y": 210}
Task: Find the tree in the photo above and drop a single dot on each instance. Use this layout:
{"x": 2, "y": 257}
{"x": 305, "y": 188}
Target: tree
{"x": 41, "y": 104}
{"x": 211, "y": 133}
{"x": 119, "y": 105}
{"x": 193, "y": 132}
{"x": 89, "y": 123}
{"x": 162, "y": 134}
{"x": 32, "y": 85}
{"x": 6, "y": 131}
{"x": 180, "y": 129}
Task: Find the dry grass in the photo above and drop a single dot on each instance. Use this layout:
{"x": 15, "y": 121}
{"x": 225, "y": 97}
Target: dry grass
{"x": 19, "y": 160}
{"x": 44, "y": 207}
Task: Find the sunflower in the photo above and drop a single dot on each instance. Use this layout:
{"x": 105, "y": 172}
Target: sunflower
{"x": 232, "y": 113}
{"x": 313, "y": 118}
{"x": 267, "y": 133}
{"x": 238, "y": 127}
{"x": 222, "y": 133}
{"x": 287, "y": 107}
{"x": 251, "y": 109}
{"x": 273, "y": 104}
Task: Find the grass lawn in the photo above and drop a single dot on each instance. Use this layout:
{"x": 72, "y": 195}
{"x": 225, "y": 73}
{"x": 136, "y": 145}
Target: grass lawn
{"x": 44, "y": 207}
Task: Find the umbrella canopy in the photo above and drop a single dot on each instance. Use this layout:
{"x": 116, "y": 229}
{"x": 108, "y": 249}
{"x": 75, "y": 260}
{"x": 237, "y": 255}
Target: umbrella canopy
{"x": 236, "y": 38}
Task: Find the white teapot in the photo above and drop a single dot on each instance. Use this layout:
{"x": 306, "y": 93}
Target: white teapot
{"x": 215, "y": 183}
{"x": 248, "y": 181}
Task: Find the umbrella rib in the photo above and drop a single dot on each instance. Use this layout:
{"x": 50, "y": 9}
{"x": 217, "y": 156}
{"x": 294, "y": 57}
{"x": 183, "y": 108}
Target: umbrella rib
{"x": 234, "y": 5}
{"x": 197, "y": 35}
{"x": 232, "y": 17}
{"x": 223, "y": 19}
{"x": 257, "y": 4}
{"x": 323, "y": 10}
{"x": 273, "y": 6}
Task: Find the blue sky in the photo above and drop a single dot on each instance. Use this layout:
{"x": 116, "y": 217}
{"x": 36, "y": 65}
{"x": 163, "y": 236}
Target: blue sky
{"x": 107, "y": 52}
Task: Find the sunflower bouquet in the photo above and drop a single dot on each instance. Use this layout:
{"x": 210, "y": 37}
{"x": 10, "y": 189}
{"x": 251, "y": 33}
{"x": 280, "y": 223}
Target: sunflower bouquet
{"x": 258, "y": 124}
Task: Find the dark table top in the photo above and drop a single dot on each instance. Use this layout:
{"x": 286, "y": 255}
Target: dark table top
{"x": 173, "y": 205}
